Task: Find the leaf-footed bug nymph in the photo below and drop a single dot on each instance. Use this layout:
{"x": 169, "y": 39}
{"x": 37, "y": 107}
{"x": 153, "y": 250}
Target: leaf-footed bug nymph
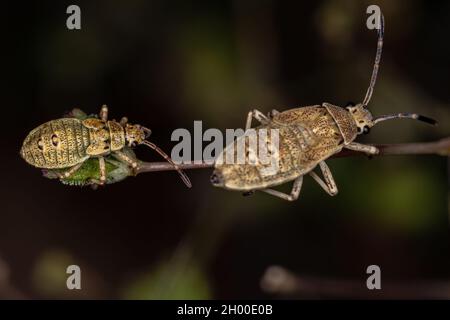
{"x": 63, "y": 145}
{"x": 307, "y": 137}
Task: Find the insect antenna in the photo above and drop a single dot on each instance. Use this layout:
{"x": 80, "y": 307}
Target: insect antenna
{"x": 373, "y": 80}
{"x": 413, "y": 116}
{"x": 376, "y": 64}
{"x": 147, "y": 131}
{"x": 183, "y": 176}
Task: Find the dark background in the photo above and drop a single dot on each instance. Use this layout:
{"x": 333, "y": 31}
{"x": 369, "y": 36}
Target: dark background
{"x": 164, "y": 64}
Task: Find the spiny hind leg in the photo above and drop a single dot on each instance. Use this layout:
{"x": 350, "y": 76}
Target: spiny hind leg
{"x": 295, "y": 192}
{"x": 70, "y": 171}
{"x": 258, "y": 115}
{"x": 104, "y": 113}
{"x": 329, "y": 185}
{"x": 370, "y": 150}
{"x": 121, "y": 156}
{"x": 102, "y": 168}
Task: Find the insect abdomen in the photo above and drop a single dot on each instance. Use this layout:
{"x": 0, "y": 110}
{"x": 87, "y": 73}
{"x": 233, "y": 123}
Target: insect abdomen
{"x": 56, "y": 144}
{"x": 284, "y": 165}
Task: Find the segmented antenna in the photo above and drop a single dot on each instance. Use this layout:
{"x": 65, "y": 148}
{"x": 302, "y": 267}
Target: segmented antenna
{"x": 376, "y": 64}
{"x": 183, "y": 176}
{"x": 413, "y": 116}
{"x": 373, "y": 79}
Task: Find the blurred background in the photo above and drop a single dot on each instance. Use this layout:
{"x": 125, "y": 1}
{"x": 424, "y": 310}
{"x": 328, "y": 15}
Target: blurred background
{"x": 164, "y": 64}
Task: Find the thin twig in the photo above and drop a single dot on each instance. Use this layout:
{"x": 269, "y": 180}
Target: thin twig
{"x": 440, "y": 147}
{"x": 278, "y": 280}
{"x": 165, "y": 166}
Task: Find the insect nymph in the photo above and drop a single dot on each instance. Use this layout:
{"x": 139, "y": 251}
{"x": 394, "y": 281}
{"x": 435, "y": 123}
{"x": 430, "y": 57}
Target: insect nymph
{"x": 307, "y": 137}
{"x": 63, "y": 145}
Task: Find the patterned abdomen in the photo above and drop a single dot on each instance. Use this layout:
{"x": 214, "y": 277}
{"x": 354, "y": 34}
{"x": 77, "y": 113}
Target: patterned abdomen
{"x": 56, "y": 144}
{"x": 283, "y": 160}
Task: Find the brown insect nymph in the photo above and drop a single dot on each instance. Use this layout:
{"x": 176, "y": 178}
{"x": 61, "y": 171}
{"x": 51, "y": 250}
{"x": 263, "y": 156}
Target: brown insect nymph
{"x": 307, "y": 136}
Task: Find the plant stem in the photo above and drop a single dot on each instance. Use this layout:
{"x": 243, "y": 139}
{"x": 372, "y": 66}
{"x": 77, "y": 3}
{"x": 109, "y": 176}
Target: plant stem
{"x": 280, "y": 281}
{"x": 439, "y": 147}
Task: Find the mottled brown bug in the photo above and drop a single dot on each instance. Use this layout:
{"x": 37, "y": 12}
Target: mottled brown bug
{"x": 67, "y": 143}
{"x": 307, "y": 137}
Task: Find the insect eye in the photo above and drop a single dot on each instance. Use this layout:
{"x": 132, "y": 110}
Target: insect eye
{"x": 366, "y": 130}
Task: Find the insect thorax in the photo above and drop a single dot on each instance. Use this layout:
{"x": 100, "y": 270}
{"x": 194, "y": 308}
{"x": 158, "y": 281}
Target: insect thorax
{"x": 117, "y": 135}
{"x": 344, "y": 121}
{"x": 104, "y": 136}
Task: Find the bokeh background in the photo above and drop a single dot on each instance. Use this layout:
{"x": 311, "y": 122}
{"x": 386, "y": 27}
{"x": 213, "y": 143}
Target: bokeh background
{"x": 164, "y": 64}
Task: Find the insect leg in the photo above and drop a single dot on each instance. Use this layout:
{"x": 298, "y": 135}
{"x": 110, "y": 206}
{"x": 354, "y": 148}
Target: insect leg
{"x": 70, "y": 171}
{"x": 123, "y": 121}
{"x": 124, "y": 158}
{"x": 295, "y": 192}
{"x": 329, "y": 185}
{"x": 273, "y": 113}
{"x": 77, "y": 113}
{"x": 371, "y": 150}
{"x": 258, "y": 115}
{"x": 104, "y": 113}
{"x": 102, "y": 166}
